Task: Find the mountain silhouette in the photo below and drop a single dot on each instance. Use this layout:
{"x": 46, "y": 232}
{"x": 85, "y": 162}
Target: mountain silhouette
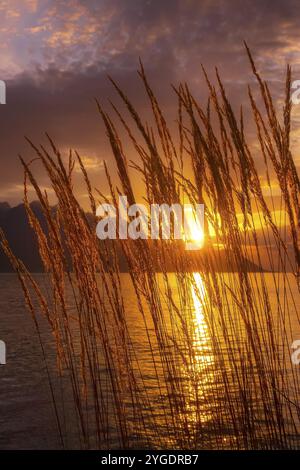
{"x": 22, "y": 241}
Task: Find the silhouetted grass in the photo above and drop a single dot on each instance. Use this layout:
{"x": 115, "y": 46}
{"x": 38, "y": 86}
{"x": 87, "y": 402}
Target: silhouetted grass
{"x": 218, "y": 345}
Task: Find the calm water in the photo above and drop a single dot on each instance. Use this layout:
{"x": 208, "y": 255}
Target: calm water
{"x": 27, "y": 418}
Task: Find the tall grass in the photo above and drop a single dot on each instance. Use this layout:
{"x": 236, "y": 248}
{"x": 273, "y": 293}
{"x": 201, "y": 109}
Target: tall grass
{"x": 218, "y": 372}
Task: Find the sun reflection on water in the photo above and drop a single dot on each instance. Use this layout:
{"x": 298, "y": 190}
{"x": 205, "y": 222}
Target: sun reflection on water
{"x": 202, "y": 341}
{"x": 199, "y": 373}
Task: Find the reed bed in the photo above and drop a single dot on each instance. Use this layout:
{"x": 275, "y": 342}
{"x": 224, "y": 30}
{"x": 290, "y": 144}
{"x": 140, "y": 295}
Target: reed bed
{"x": 218, "y": 347}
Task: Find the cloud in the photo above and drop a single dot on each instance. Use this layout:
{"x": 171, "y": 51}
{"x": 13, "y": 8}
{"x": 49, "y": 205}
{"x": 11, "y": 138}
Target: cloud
{"x": 90, "y": 162}
{"x": 56, "y": 56}
{"x": 41, "y": 33}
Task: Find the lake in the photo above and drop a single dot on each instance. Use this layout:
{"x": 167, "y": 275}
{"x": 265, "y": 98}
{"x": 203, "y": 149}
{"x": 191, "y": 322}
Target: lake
{"x": 222, "y": 378}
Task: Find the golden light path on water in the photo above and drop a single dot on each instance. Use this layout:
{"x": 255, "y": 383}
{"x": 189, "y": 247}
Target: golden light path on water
{"x": 201, "y": 365}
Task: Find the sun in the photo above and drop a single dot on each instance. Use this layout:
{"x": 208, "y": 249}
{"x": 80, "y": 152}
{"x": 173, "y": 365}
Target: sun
{"x": 193, "y": 233}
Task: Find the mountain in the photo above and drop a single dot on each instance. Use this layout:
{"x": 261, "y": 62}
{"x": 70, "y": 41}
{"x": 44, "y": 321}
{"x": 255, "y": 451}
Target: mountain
{"x": 22, "y": 240}
{"x": 14, "y": 223}
{"x": 4, "y": 207}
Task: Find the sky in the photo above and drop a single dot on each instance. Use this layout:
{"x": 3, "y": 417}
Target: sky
{"x": 56, "y": 55}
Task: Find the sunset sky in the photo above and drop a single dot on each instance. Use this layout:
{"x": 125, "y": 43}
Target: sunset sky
{"x": 56, "y": 55}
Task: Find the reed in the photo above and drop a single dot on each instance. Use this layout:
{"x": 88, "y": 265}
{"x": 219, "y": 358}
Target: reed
{"x": 218, "y": 347}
